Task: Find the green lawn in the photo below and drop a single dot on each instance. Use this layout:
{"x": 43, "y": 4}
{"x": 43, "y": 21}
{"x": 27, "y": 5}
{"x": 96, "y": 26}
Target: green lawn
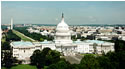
{"x": 22, "y": 66}
{"x": 3, "y": 68}
{"x": 21, "y": 36}
{"x": 89, "y": 54}
{"x": 3, "y": 39}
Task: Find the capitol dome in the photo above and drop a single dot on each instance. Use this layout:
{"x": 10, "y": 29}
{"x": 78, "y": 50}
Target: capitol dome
{"x": 62, "y": 34}
{"x": 62, "y": 26}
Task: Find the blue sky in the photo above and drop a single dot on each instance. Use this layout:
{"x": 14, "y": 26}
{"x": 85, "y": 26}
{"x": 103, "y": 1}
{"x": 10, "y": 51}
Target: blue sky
{"x": 75, "y": 12}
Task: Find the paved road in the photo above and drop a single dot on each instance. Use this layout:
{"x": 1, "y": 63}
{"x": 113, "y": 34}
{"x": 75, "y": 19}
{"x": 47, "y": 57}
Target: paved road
{"x": 79, "y": 56}
{"x": 74, "y": 59}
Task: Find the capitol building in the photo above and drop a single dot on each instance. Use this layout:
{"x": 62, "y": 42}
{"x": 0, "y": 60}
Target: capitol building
{"x": 62, "y": 43}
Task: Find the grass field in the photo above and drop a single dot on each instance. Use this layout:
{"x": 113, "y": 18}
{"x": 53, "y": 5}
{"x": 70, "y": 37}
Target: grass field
{"x": 22, "y": 66}
{"x": 3, "y": 39}
{"x": 24, "y": 38}
{"x": 89, "y": 54}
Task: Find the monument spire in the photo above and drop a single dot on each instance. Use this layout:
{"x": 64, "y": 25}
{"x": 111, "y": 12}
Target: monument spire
{"x": 11, "y": 23}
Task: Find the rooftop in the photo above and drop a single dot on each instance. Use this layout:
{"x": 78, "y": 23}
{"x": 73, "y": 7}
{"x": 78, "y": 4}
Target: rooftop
{"x": 46, "y": 42}
{"x": 95, "y": 41}
{"x": 90, "y": 41}
{"x": 22, "y": 43}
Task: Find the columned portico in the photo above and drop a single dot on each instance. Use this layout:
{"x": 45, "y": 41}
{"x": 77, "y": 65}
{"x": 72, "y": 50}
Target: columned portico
{"x": 67, "y": 49}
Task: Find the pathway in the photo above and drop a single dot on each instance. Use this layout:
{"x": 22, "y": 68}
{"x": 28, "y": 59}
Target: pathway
{"x": 74, "y": 59}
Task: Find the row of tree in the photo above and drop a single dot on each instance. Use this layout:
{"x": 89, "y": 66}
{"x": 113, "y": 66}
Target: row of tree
{"x": 36, "y": 36}
{"x": 10, "y": 36}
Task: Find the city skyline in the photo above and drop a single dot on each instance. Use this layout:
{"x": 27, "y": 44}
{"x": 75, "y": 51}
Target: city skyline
{"x": 43, "y": 12}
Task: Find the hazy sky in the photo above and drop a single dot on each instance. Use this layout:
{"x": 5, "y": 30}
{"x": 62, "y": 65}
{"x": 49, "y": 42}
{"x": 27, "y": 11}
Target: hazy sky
{"x": 78, "y": 12}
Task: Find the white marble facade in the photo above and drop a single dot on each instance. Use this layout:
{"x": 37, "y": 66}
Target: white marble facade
{"x": 62, "y": 43}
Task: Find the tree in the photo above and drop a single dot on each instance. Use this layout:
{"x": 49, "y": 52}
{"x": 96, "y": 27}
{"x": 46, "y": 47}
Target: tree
{"x": 78, "y": 36}
{"x": 50, "y": 38}
{"x": 60, "y": 65}
{"x": 91, "y": 37}
{"x": 5, "y": 46}
{"x": 52, "y": 66}
{"x": 12, "y": 37}
{"x": 73, "y": 66}
{"x": 73, "y": 38}
{"x": 89, "y": 62}
{"x": 36, "y": 59}
{"x": 83, "y": 38}
{"x": 121, "y": 57}
{"x": 45, "y": 51}
{"x": 45, "y": 57}
{"x": 117, "y": 59}
{"x": 119, "y": 45}
{"x": 104, "y": 62}
{"x": 52, "y": 57}
{"x": 2, "y": 58}
{"x": 8, "y": 60}
{"x": 41, "y": 39}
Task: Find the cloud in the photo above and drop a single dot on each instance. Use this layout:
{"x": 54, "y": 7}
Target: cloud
{"x": 92, "y": 19}
{"x": 57, "y": 19}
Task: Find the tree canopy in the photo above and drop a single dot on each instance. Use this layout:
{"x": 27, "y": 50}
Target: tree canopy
{"x": 5, "y": 46}
{"x": 44, "y": 57}
{"x": 35, "y": 36}
{"x": 7, "y": 59}
{"x": 12, "y": 37}
{"x": 89, "y": 62}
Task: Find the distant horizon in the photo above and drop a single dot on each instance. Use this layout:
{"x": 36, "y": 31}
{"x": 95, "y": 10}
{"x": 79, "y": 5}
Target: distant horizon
{"x": 75, "y": 12}
{"x": 69, "y": 25}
